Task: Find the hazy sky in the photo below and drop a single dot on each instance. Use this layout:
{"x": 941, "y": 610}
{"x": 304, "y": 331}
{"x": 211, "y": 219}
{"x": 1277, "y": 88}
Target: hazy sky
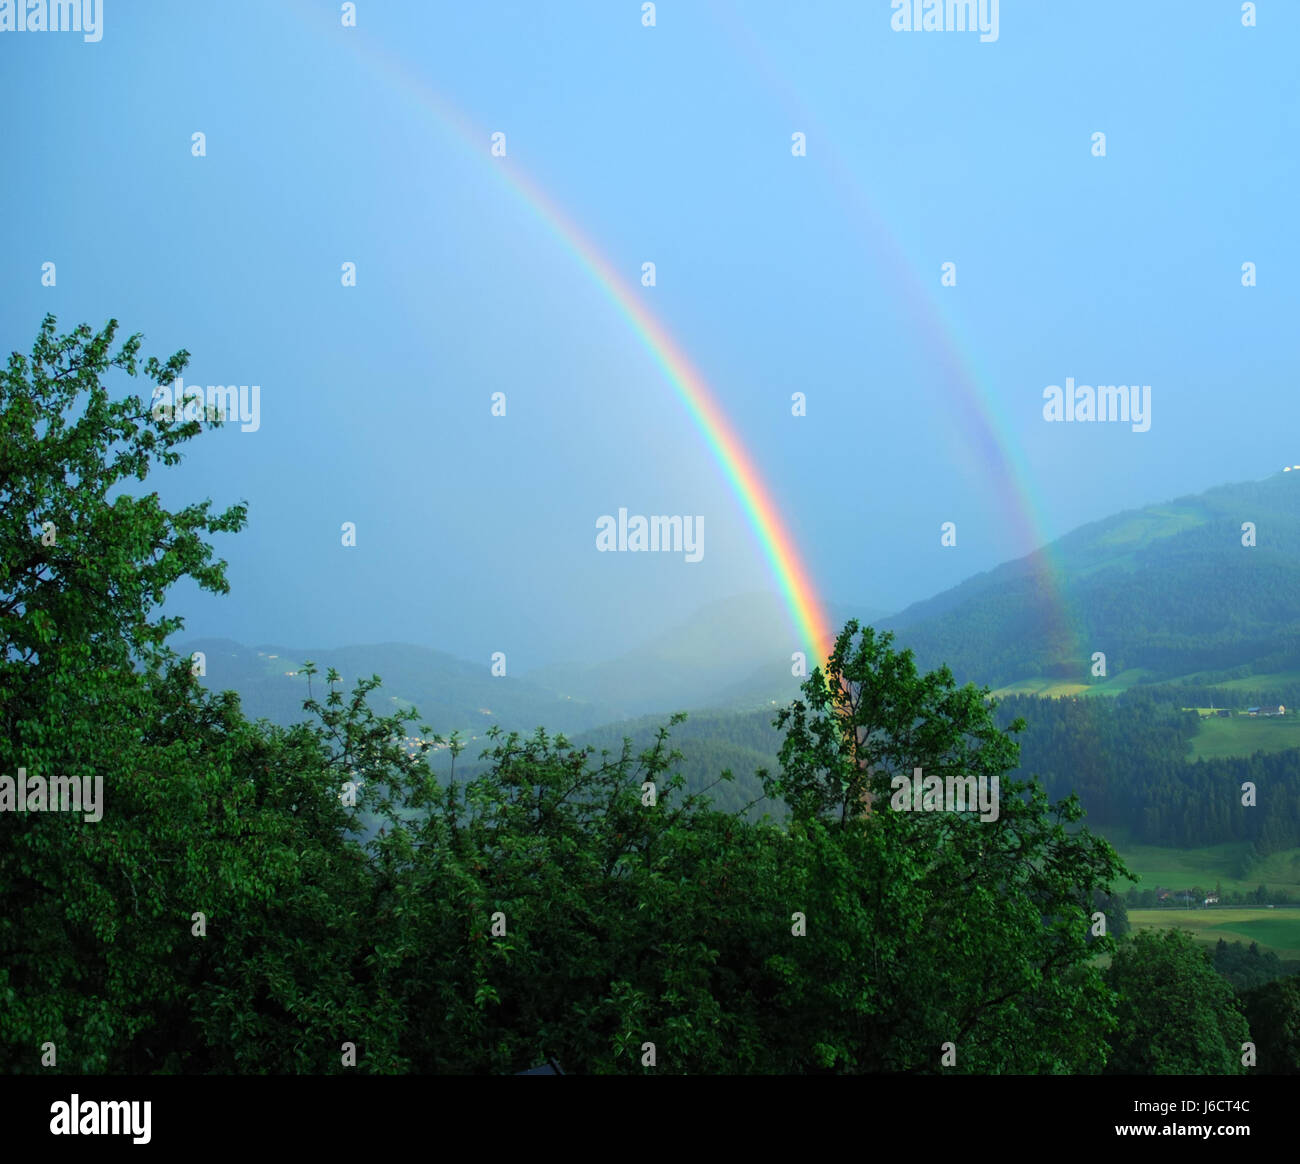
{"x": 775, "y": 274}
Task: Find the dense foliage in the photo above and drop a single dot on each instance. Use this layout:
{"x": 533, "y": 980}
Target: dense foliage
{"x": 1273, "y": 1012}
{"x": 231, "y": 912}
{"x": 1176, "y": 1015}
{"x": 1128, "y": 760}
{"x": 1246, "y": 967}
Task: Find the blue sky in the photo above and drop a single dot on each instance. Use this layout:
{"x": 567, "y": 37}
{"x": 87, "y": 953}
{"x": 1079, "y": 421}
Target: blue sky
{"x": 775, "y": 274}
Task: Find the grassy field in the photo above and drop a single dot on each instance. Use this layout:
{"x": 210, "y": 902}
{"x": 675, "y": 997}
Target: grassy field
{"x": 1242, "y": 736}
{"x": 1251, "y": 682}
{"x": 1046, "y": 688}
{"x": 1157, "y": 522}
{"x": 1225, "y": 864}
{"x": 1054, "y": 688}
{"x": 1277, "y": 930}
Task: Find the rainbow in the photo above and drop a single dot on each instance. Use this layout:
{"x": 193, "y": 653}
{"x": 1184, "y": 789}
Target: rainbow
{"x": 774, "y": 538}
{"x": 975, "y": 407}
{"x": 724, "y": 443}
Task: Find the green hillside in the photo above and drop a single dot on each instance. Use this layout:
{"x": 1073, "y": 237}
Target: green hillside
{"x": 1264, "y": 681}
{"x": 1167, "y": 591}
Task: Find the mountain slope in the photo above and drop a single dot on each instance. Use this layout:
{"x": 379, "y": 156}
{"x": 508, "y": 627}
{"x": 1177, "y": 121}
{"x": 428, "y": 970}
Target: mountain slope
{"x": 1168, "y": 588}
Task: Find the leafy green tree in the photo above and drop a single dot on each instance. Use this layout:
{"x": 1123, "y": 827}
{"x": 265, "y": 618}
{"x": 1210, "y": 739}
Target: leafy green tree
{"x": 1176, "y": 1014}
{"x": 83, "y": 567}
{"x": 557, "y": 905}
{"x": 931, "y": 928}
{"x": 101, "y": 952}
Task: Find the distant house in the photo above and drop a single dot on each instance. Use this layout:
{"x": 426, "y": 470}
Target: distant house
{"x": 1252, "y": 711}
{"x": 1223, "y": 712}
{"x": 1266, "y": 712}
{"x": 1212, "y": 899}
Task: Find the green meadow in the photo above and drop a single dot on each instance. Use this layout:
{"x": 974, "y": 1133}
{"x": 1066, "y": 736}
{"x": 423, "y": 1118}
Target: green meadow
{"x": 1240, "y": 735}
{"x": 1277, "y": 930}
{"x": 1265, "y": 682}
{"x": 1229, "y": 865}
{"x": 1045, "y": 688}
{"x": 1054, "y": 688}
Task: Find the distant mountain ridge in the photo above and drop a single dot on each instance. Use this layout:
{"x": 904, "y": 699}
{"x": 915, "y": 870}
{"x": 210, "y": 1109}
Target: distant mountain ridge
{"x": 1166, "y": 591}
{"x": 449, "y": 693}
{"x": 734, "y": 654}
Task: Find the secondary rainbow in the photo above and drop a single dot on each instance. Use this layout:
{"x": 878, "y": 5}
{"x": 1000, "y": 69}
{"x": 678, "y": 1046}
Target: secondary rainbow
{"x": 974, "y": 406}
{"x": 771, "y": 532}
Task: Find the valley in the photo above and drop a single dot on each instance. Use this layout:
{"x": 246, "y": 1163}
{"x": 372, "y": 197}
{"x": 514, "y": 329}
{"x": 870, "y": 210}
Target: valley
{"x": 1156, "y": 772}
